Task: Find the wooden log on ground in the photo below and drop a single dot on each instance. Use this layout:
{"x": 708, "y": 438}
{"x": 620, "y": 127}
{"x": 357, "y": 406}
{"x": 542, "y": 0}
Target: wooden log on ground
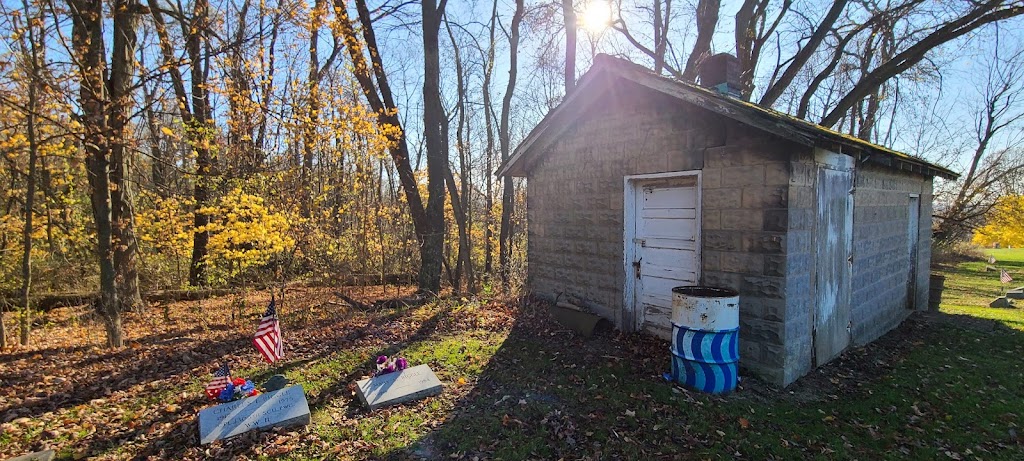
{"x": 374, "y": 279}
{"x": 45, "y": 302}
{"x": 49, "y": 301}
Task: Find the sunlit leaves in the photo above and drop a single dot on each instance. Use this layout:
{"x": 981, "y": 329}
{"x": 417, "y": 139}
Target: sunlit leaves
{"x": 245, "y": 233}
{"x": 1004, "y": 224}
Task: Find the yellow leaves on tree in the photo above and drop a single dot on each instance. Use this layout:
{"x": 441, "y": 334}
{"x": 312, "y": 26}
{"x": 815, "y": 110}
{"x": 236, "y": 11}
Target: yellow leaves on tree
{"x": 164, "y": 224}
{"x": 1004, "y": 224}
{"x": 244, "y": 233}
{"x": 59, "y": 213}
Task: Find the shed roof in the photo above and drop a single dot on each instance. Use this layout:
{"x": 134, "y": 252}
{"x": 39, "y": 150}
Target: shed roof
{"x": 786, "y": 126}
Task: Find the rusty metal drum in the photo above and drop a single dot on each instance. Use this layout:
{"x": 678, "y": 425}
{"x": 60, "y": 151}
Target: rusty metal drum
{"x": 705, "y": 338}
{"x": 706, "y": 308}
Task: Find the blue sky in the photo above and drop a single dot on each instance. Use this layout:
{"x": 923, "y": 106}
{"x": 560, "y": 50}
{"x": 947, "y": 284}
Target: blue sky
{"x": 932, "y": 122}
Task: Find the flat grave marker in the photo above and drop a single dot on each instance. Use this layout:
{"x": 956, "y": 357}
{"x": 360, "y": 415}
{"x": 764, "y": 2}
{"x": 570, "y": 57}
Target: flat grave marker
{"x": 45, "y": 455}
{"x": 1000, "y": 302}
{"x": 285, "y": 407}
{"x": 412, "y": 383}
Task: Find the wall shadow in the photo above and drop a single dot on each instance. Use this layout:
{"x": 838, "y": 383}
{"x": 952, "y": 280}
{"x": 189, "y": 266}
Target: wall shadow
{"x": 549, "y": 394}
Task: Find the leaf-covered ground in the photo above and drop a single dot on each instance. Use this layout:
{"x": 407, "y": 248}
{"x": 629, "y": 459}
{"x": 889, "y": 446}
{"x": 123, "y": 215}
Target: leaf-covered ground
{"x": 946, "y": 385}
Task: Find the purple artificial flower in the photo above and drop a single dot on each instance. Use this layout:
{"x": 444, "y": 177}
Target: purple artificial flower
{"x": 382, "y": 360}
{"x": 401, "y": 364}
{"x": 389, "y": 368}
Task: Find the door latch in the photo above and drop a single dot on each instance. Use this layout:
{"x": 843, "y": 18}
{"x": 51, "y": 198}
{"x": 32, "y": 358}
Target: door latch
{"x": 636, "y": 267}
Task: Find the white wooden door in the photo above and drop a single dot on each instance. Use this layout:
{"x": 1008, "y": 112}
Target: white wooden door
{"x": 833, "y": 250}
{"x": 665, "y": 248}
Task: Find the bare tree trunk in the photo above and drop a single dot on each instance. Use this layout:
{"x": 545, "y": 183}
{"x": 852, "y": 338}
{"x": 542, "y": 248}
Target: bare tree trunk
{"x": 437, "y": 156}
{"x": 122, "y": 72}
{"x": 707, "y": 20}
{"x": 489, "y": 150}
{"x": 820, "y": 77}
{"x": 205, "y": 159}
{"x": 884, "y": 46}
{"x": 31, "y": 50}
{"x": 462, "y": 206}
{"x": 569, "y": 19}
{"x": 196, "y": 120}
{"x": 381, "y": 100}
{"x": 3, "y": 326}
{"x": 246, "y": 155}
{"x": 313, "y": 106}
{"x": 801, "y": 57}
{"x": 160, "y": 169}
{"x": 88, "y": 41}
{"x": 266, "y": 89}
{"x": 662, "y": 20}
{"x": 507, "y": 192}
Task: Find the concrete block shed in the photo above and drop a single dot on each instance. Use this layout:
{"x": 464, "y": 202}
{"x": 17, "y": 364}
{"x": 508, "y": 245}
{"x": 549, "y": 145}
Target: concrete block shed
{"x": 637, "y": 183}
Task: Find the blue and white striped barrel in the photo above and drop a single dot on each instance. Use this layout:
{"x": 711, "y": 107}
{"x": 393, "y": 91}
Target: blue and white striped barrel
{"x": 705, "y": 338}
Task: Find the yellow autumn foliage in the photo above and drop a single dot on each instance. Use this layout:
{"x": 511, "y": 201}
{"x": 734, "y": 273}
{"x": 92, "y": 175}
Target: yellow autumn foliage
{"x": 60, "y": 236}
{"x": 244, "y": 233}
{"x": 1004, "y": 224}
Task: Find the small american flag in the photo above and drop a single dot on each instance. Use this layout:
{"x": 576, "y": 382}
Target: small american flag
{"x": 268, "y": 335}
{"x": 220, "y": 381}
{"x": 1004, "y": 277}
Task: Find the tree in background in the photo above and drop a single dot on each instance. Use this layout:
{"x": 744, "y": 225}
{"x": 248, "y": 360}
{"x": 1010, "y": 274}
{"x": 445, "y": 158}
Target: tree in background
{"x": 434, "y": 124}
{"x": 103, "y": 107}
{"x": 995, "y": 165}
{"x": 839, "y": 69}
{"x": 30, "y": 40}
{"x": 505, "y": 141}
{"x": 1004, "y": 224}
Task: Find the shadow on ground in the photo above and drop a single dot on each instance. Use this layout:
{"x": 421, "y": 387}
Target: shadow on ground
{"x": 547, "y": 394}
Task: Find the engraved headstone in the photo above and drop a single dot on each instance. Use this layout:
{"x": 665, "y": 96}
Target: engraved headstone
{"x": 45, "y": 455}
{"x": 1000, "y": 302}
{"x": 285, "y": 407}
{"x": 1015, "y": 294}
{"x": 401, "y": 386}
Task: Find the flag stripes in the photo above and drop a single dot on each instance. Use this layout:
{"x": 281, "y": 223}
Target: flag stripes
{"x": 220, "y": 381}
{"x": 268, "y": 335}
{"x": 1004, "y": 277}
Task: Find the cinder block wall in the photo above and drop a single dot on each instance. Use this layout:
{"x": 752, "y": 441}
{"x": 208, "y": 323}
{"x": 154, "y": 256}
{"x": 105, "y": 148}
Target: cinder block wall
{"x": 575, "y": 192}
{"x": 880, "y": 262}
{"x": 745, "y": 244}
{"x": 575, "y": 201}
{"x": 800, "y": 250}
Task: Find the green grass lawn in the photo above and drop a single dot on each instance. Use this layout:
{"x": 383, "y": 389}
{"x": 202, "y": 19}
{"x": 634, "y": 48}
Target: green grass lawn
{"x": 971, "y": 286}
{"x": 946, "y": 385}
{"x": 1013, "y": 256}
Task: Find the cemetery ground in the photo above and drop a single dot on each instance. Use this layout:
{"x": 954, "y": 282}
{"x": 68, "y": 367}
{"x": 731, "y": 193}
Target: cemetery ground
{"x": 946, "y": 385}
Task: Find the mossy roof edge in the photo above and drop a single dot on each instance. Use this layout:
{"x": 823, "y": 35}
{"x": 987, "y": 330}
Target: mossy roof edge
{"x": 773, "y": 121}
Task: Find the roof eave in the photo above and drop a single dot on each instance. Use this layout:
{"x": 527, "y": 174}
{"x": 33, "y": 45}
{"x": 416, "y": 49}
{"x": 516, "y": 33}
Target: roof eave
{"x": 796, "y": 130}
{"x": 516, "y": 164}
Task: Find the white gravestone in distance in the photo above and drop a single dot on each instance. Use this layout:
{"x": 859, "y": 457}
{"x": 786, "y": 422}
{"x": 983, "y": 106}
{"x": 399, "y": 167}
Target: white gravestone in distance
{"x": 285, "y": 407}
{"x": 397, "y": 387}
